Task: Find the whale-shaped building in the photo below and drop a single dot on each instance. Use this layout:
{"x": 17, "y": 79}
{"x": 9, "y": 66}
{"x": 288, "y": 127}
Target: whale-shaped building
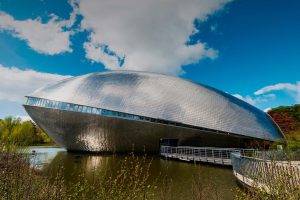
{"x": 112, "y": 111}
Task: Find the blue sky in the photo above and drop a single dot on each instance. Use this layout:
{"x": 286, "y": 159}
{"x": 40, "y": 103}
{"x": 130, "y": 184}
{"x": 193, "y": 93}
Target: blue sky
{"x": 249, "y": 49}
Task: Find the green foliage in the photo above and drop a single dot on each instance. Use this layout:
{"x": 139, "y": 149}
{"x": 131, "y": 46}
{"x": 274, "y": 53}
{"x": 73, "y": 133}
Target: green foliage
{"x": 292, "y": 142}
{"x": 295, "y": 110}
{"x": 13, "y": 131}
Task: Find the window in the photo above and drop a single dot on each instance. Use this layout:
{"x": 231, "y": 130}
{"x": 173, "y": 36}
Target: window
{"x": 37, "y": 102}
{"x": 50, "y": 104}
{"x": 94, "y": 110}
{"x": 84, "y": 109}
{"x": 67, "y": 106}
{"x": 63, "y": 106}
{"x": 46, "y": 103}
{"x": 71, "y": 107}
{"x": 89, "y": 110}
{"x": 98, "y": 111}
{"x": 54, "y": 104}
{"x": 41, "y": 102}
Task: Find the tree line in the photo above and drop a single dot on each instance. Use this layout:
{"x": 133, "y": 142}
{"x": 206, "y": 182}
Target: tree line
{"x": 24, "y": 133}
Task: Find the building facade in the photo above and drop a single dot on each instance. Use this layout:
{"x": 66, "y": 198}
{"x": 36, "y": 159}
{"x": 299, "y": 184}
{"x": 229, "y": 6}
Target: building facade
{"x": 121, "y": 110}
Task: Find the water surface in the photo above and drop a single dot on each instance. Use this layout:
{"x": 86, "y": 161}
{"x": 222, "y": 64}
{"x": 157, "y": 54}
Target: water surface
{"x": 182, "y": 174}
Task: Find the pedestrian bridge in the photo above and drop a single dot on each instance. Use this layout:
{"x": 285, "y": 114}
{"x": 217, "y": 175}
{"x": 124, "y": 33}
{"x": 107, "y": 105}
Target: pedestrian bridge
{"x": 213, "y": 155}
{"x": 267, "y": 168}
{"x": 251, "y": 167}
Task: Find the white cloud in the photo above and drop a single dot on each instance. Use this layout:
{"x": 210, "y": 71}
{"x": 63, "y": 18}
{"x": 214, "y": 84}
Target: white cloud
{"x": 292, "y": 89}
{"x": 47, "y": 38}
{"x": 151, "y": 35}
{"x": 16, "y": 83}
{"x": 254, "y": 100}
{"x": 24, "y": 118}
{"x": 264, "y": 94}
{"x": 267, "y": 109}
{"x": 247, "y": 98}
{"x": 96, "y": 54}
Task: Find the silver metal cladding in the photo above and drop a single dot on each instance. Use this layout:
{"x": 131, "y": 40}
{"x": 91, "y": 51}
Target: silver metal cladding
{"x": 154, "y": 96}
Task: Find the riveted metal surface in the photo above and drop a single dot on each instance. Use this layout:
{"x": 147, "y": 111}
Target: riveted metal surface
{"x": 93, "y": 133}
{"x": 164, "y": 97}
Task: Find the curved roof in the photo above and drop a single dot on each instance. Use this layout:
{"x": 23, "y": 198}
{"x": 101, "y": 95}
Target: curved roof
{"x": 164, "y": 97}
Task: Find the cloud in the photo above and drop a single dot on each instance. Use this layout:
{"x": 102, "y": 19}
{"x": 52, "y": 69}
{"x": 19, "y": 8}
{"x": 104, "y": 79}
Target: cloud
{"x": 24, "y": 118}
{"x": 254, "y": 100}
{"x": 124, "y": 35}
{"x": 149, "y": 35}
{"x": 267, "y": 109}
{"x": 16, "y": 83}
{"x": 96, "y": 53}
{"x": 292, "y": 89}
{"x": 48, "y": 38}
{"x": 264, "y": 95}
{"x": 247, "y": 98}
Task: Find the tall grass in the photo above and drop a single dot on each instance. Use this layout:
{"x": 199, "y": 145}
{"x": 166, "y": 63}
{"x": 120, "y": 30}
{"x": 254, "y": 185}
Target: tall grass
{"x": 18, "y": 180}
{"x": 204, "y": 187}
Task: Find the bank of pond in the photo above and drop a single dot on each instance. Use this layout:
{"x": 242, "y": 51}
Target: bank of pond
{"x": 53, "y": 173}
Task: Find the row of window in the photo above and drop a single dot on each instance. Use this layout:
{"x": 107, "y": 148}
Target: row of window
{"x": 33, "y": 101}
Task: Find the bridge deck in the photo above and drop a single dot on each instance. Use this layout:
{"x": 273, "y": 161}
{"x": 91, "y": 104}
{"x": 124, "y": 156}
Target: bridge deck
{"x": 219, "y": 156}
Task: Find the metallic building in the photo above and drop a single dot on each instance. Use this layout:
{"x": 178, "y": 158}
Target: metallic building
{"x": 112, "y": 111}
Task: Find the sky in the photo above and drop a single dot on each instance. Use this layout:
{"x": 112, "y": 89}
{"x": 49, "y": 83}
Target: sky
{"x": 247, "y": 48}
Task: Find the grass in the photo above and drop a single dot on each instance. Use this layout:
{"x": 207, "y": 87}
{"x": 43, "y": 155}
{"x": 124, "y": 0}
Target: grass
{"x": 18, "y": 180}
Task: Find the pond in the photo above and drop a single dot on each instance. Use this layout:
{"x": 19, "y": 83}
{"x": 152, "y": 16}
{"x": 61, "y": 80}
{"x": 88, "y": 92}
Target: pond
{"x": 182, "y": 175}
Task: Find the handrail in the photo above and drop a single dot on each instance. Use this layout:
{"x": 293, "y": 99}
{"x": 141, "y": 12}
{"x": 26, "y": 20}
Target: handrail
{"x": 205, "y": 154}
{"x": 263, "y": 173}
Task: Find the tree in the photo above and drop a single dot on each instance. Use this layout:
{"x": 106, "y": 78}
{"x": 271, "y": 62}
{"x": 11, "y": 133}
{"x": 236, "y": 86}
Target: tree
{"x": 12, "y": 130}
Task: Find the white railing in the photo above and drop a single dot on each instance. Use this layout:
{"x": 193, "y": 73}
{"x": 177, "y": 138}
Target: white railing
{"x": 202, "y": 154}
{"x": 266, "y": 174}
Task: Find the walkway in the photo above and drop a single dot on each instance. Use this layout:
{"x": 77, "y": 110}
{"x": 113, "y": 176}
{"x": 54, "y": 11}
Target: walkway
{"x": 253, "y": 168}
{"x": 264, "y": 173}
{"x": 219, "y": 156}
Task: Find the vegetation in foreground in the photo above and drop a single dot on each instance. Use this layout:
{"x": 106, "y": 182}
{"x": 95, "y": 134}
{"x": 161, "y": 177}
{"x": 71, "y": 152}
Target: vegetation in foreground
{"x": 18, "y": 180}
{"x": 13, "y": 130}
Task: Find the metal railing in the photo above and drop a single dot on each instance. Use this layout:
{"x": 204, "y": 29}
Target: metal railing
{"x": 203, "y": 154}
{"x": 265, "y": 173}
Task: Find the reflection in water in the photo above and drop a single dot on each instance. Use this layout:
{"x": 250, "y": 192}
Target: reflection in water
{"x": 182, "y": 174}
{"x": 39, "y": 156}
